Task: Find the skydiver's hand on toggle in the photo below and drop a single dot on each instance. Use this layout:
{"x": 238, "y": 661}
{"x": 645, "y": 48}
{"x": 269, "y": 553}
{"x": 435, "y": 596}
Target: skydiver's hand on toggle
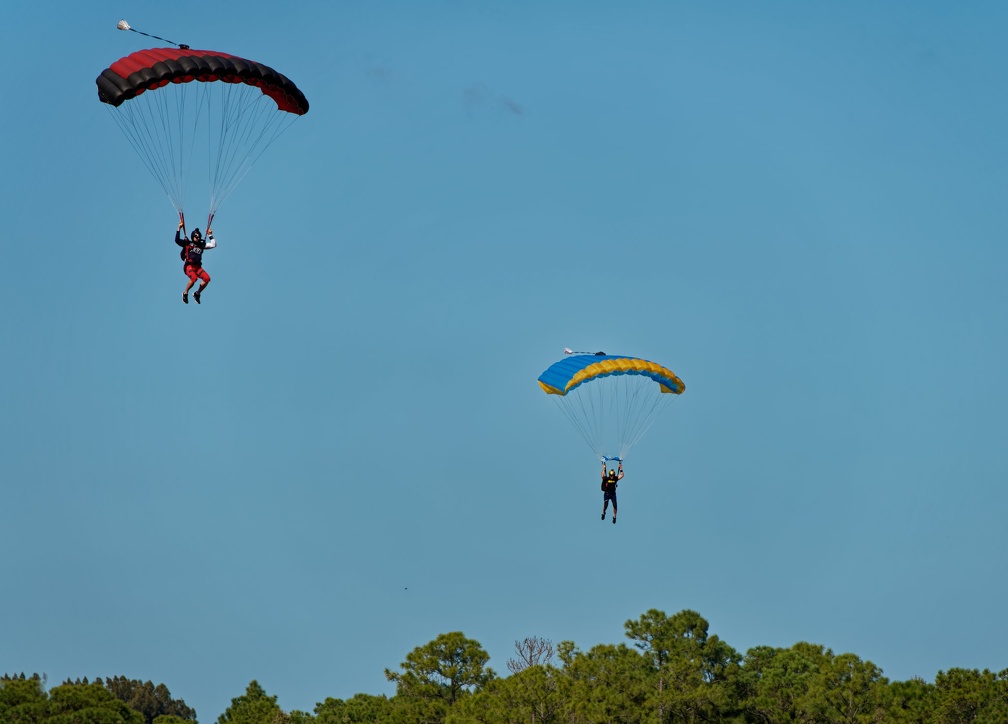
{"x": 181, "y": 224}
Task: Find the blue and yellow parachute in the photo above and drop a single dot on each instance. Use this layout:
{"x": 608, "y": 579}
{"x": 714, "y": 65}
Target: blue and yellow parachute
{"x": 612, "y": 400}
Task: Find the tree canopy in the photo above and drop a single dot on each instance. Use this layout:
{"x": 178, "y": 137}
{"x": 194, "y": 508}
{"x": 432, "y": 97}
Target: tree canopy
{"x": 24, "y": 700}
{"x": 671, "y": 670}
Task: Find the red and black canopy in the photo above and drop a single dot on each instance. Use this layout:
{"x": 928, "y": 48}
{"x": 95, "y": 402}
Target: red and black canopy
{"x": 150, "y": 69}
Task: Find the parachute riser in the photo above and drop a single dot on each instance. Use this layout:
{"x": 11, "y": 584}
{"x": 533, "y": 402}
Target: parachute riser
{"x": 181, "y": 218}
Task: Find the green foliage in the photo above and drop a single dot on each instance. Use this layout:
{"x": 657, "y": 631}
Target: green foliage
{"x": 692, "y": 674}
{"x": 907, "y": 702}
{"x": 25, "y": 701}
{"x": 22, "y": 700}
{"x": 360, "y": 709}
{"x": 673, "y": 672}
{"x": 441, "y": 671}
{"x": 83, "y": 703}
{"x": 969, "y": 695}
{"x": 255, "y": 706}
{"x": 300, "y": 717}
{"x": 775, "y": 683}
{"x": 808, "y": 683}
{"x": 606, "y": 684}
{"x": 152, "y": 701}
{"x": 530, "y": 696}
{"x": 851, "y": 690}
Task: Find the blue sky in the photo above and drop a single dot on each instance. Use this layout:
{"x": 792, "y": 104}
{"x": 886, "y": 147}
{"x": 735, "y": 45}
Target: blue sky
{"x": 343, "y": 452}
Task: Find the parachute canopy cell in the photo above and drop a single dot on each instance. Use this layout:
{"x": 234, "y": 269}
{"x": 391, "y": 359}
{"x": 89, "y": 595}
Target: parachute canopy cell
{"x": 154, "y": 68}
{"x": 567, "y": 374}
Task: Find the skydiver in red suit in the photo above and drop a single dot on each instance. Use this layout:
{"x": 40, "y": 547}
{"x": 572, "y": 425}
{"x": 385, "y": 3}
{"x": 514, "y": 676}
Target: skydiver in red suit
{"x": 192, "y": 259}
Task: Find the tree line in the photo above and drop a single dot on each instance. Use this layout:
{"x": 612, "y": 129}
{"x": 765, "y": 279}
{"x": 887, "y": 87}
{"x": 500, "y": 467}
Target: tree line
{"x": 671, "y": 671}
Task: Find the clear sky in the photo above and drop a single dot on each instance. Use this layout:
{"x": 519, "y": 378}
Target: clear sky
{"x": 343, "y": 452}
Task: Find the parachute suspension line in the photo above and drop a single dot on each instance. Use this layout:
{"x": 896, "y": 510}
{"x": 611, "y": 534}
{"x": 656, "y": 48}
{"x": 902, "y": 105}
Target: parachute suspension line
{"x": 159, "y": 107}
{"x": 162, "y": 126}
{"x": 158, "y": 126}
{"x": 597, "y": 414}
{"x": 613, "y": 417}
{"x": 199, "y": 94}
{"x": 624, "y": 398}
{"x": 217, "y": 120}
{"x": 186, "y": 122}
{"x": 608, "y": 421}
{"x": 634, "y": 398}
{"x": 276, "y": 123}
{"x": 584, "y": 414}
{"x": 640, "y": 411}
{"x": 576, "y": 421}
{"x": 578, "y": 417}
{"x": 248, "y": 124}
{"x": 622, "y": 402}
{"x": 141, "y": 136}
{"x": 646, "y": 423}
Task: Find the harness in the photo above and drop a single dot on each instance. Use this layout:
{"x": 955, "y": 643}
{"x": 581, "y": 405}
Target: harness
{"x": 196, "y": 258}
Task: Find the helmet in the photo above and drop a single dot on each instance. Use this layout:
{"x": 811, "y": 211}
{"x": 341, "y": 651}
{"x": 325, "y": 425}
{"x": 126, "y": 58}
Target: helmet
{"x": 196, "y": 233}
{"x": 612, "y": 473}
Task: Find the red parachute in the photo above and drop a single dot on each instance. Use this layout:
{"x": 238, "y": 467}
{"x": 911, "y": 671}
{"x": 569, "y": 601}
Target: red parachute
{"x": 169, "y": 102}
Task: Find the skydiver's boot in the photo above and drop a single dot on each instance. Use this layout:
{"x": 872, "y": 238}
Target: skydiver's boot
{"x": 185, "y": 297}
{"x": 614, "y": 520}
{"x": 196, "y": 296}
